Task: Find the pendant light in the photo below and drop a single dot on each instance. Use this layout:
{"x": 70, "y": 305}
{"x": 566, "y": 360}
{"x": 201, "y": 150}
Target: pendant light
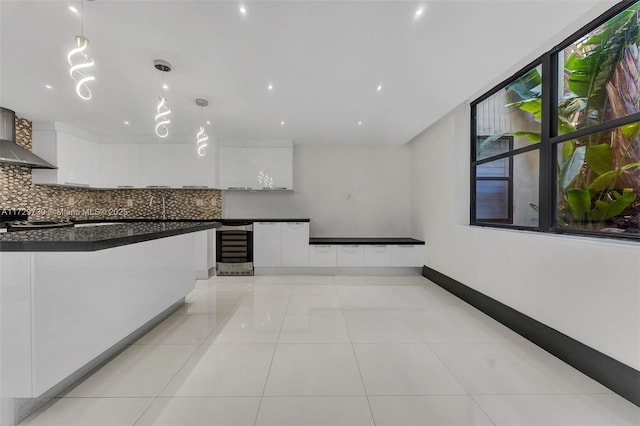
{"x": 80, "y": 62}
{"x": 162, "y": 109}
{"x": 201, "y": 137}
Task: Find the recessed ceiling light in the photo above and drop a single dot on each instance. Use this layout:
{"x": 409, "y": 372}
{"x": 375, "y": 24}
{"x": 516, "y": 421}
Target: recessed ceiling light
{"x": 48, "y": 86}
{"x": 208, "y": 121}
{"x": 73, "y": 9}
{"x": 359, "y": 123}
{"x": 270, "y": 87}
{"x": 379, "y": 88}
{"x": 165, "y": 86}
{"x": 419, "y": 12}
{"x": 126, "y": 122}
{"x": 243, "y": 10}
{"x": 282, "y": 123}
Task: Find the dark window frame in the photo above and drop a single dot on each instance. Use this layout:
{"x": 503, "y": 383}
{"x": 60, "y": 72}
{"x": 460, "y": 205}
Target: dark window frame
{"x": 509, "y": 179}
{"x": 550, "y": 139}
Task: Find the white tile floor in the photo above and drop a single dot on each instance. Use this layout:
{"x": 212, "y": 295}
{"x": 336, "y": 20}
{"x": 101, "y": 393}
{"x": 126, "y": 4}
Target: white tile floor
{"x": 333, "y": 351}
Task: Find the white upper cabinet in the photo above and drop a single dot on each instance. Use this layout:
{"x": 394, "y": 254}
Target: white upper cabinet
{"x": 176, "y": 165}
{"x": 73, "y": 153}
{"x": 119, "y": 165}
{"x": 252, "y": 165}
{"x": 274, "y": 168}
{"x": 238, "y": 168}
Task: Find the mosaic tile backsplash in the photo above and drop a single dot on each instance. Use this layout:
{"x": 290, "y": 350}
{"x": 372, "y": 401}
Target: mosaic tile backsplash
{"x": 43, "y": 202}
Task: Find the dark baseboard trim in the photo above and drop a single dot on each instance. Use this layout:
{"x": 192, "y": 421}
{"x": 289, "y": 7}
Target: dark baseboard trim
{"x": 619, "y": 377}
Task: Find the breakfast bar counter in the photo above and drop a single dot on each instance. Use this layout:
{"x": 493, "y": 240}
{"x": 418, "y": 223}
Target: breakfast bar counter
{"x": 96, "y": 236}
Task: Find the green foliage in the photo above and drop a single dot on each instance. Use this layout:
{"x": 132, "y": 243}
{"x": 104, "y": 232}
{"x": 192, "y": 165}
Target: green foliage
{"x": 589, "y": 174}
{"x": 599, "y": 158}
{"x": 606, "y": 179}
{"x": 613, "y": 205}
{"x": 592, "y": 65}
{"x": 592, "y": 169}
{"x": 579, "y": 202}
{"x": 571, "y": 167}
{"x": 528, "y": 86}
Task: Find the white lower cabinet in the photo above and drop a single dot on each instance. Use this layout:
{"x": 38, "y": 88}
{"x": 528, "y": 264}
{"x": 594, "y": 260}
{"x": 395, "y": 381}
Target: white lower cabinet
{"x": 267, "y": 244}
{"x": 407, "y": 255}
{"x": 322, "y": 255}
{"x": 377, "y": 255}
{"x": 61, "y": 310}
{"x": 350, "y": 255}
{"x": 280, "y": 244}
{"x": 295, "y": 243}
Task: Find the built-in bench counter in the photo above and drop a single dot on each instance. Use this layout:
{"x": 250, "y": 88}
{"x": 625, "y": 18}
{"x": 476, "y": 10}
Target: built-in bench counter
{"x": 365, "y": 252}
{"x": 284, "y": 246}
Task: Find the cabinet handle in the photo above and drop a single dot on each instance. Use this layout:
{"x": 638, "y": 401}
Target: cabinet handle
{"x": 322, "y": 245}
{"x": 379, "y": 245}
{"x": 267, "y": 223}
{"x": 406, "y": 245}
{"x": 76, "y": 184}
{"x": 280, "y": 187}
{"x": 351, "y": 246}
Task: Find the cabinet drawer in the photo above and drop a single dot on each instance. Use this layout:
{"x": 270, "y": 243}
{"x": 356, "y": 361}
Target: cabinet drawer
{"x": 350, "y": 255}
{"x": 322, "y": 255}
{"x": 407, "y": 255}
{"x": 377, "y": 255}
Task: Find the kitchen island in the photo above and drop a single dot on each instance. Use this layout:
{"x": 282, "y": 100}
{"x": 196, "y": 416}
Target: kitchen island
{"x": 98, "y": 236}
{"x": 72, "y": 297}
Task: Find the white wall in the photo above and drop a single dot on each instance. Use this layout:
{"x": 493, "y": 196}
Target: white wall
{"x": 586, "y": 288}
{"x": 345, "y": 191}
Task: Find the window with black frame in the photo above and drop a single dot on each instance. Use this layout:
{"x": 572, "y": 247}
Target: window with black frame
{"x": 505, "y": 162}
{"x": 575, "y": 152}
{"x": 494, "y": 182}
{"x": 598, "y": 133}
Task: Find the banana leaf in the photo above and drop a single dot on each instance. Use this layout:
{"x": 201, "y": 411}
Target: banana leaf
{"x": 598, "y": 157}
{"x": 532, "y": 105}
{"x": 630, "y": 131}
{"x": 611, "y": 208}
{"x": 571, "y": 167}
{"x": 527, "y": 86}
{"x": 605, "y": 179}
{"x": 567, "y": 149}
{"x": 579, "y": 201}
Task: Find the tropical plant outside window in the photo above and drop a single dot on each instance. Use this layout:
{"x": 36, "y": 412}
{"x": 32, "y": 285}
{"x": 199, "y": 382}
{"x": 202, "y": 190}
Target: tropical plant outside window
{"x": 582, "y": 145}
{"x": 599, "y": 173}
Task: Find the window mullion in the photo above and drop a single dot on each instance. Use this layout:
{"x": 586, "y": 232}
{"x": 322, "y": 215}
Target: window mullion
{"x": 549, "y": 120}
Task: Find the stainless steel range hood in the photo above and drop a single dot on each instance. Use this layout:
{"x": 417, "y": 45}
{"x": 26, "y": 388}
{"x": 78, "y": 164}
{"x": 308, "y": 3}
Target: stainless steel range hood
{"x": 10, "y": 152}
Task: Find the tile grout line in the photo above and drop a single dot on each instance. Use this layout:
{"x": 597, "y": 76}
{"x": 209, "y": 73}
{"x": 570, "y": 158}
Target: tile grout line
{"x": 218, "y": 324}
{"x": 355, "y": 357}
{"x": 275, "y": 347}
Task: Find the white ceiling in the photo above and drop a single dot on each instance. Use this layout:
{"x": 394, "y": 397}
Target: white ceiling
{"x": 324, "y": 59}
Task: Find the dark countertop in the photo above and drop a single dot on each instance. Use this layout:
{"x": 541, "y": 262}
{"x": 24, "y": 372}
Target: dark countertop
{"x": 99, "y": 237}
{"x": 363, "y": 241}
{"x": 231, "y": 220}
